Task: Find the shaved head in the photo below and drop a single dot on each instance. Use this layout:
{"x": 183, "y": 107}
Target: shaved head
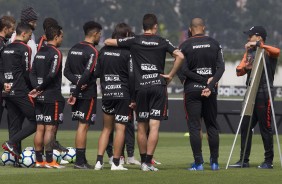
{"x": 197, "y": 22}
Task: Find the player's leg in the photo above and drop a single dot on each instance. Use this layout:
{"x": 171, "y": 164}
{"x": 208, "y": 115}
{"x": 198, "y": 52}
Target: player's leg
{"x": 152, "y": 139}
{"x": 87, "y": 113}
{"x": 193, "y": 106}
{"x": 109, "y": 148}
{"x": 209, "y": 106}
{"x": 39, "y": 136}
{"x": 264, "y": 120}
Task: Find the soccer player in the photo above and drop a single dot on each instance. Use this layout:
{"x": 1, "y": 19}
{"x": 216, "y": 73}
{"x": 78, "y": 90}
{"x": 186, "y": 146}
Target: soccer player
{"x": 117, "y": 83}
{"x": 15, "y": 78}
{"x": 46, "y": 79}
{"x": 42, "y": 41}
{"x": 7, "y": 27}
{"x": 79, "y": 68}
{"x": 262, "y": 108}
{"x": 148, "y": 53}
{"x": 202, "y": 69}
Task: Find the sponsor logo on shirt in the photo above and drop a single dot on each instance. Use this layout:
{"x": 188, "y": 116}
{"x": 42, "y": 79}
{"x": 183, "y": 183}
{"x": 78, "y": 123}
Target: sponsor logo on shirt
{"x": 199, "y": 86}
{"x": 117, "y": 86}
{"x": 114, "y": 94}
{"x": 124, "y": 39}
{"x": 121, "y": 118}
{"x": 39, "y": 80}
{"x": 111, "y": 54}
{"x": 76, "y": 53}
{"x": 154, "y": 82}
{"x": 150, "y": 76}
{"x": 148, "y": 67}
{"x": 8, "y": 75}
{"x": 204, "y": 71}
{"x": 112, "y": 77}
{"x": 40, "y": 57}
{"x": 149, "y": 43}
{"x": 9, "y": 51}
{"x": 155, "y": 112}
{"x": 201, "y": 46}
{"x": 143, "y": 114}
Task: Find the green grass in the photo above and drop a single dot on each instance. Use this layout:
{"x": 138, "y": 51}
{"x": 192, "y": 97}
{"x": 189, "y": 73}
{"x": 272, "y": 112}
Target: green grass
{"x": 173, "y": 151}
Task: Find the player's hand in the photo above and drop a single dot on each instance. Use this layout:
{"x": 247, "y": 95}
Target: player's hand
{"x": 209, "y": 80}
{"x": 250, "y": 44}
{"x": 33, "y": 93}
{"x": 7, "y": 87}
{"x": 132, "y": 105}
{"x": 167, "y": 77}
{"x": 83, "y": 87}
{"x": 206, "y": 92}
{"x": 71, "y": 100}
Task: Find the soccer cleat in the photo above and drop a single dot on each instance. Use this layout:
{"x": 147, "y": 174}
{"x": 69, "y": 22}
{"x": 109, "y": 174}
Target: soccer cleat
{"x": 155, "y": 162}
{"x": 239, "y": 164}
{"x": 83, "y": 166}
{"x": 111, "y": 160}
{"x": 131, "y": 160}
{"x": 146, "y": 167}
{"x": 53, "y": 164}
{"x": 265, "y": 165}
{"x": 63, "y": 162}
{"x": 214, "y": 166}
{"x": 118, "y": 168}
{"x": 11, "y": 148}
{"x": 40, "y": 164}
{"x": 196, "y": 167}
{"x": 99, "y": 166}
{"x": 121, "y": 160}
{"x": 59, "y": 147}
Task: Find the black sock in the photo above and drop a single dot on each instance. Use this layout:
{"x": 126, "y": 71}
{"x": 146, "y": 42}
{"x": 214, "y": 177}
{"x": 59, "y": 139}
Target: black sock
{"x": 38, "y": 155}
{"x": 116, "y": 161}
{"x": 149, "y": 159}
{"x": 49, "y": 156}
{"x": 143, "y": 157}
{"x": 80, "y": 156}
{"x": 100, "y": 158}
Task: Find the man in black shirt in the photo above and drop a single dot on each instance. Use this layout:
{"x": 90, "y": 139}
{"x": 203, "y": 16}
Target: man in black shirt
{"x": 148, "y": 53}
{"x": 202, "y": 69}
{"x": 46, "y": 79}
{"x": 115, "y": 69}
{"x": 262, "y": 108}
{"x": 42, "y": 41}
{"x": 79, "y": 68}
{"x": 7, "y": 27}
{"x": 15, "y": 78}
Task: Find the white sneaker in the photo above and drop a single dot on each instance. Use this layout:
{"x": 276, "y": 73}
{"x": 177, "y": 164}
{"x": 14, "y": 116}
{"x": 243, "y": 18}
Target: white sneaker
{"x": 121, "y": 160}
{"x": 145, "y": 167}
{"x": 63, "y": 162}
{"x": 118, "y": 168}
{"x": 131, "y": 160}
{"x": 99, "y": 166}
{"x": 111, "y": 160}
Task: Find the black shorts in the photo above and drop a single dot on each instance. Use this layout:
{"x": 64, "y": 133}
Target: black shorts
{"x": 84, "y": 110}
{"x": 151, "y": 103}
{"x": 118, "y": 107}
{"x": 49, "y": 113}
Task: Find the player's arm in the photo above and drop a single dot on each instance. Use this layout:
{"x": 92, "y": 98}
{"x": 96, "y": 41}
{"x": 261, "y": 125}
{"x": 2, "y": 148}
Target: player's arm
{"x": 271, "y": 51}
{"x": 68, "y": 73}
{"x": 87, "y": 72}
{"x": 123, "y": 42}
{"x": 220, "y": 68}
{"x": 2, "y": 78}
{"x": 111, "y": 42}
{"x": 53, "y": 72}
{"x": 33, "y": 75}
{"x": 26, "y": 59}
{"x": 240, "y": 69}
{"x": 192, "y": 75}
{"x": 131, "y": 79}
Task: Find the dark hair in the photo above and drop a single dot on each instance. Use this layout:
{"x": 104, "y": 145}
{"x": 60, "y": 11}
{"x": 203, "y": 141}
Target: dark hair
{"x": 53, "y": 31}
{"x": 48, "y": 22}
{"x": 6, "y": 21}
{"x": 23, "y": 27}
{"x": 149, "y": 20}
{"x": 122, "y": 30}
{"x": 91, "y": 26}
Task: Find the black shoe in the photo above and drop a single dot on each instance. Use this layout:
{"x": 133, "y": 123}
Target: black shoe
{"x": 239, "y": 164}
{"x": 265, "y": 165}
{"x": 59, "y": 147}
{"x": 17, "y": 164}
{"x": 83, "y": 166}
{"x": 11, "y": 148}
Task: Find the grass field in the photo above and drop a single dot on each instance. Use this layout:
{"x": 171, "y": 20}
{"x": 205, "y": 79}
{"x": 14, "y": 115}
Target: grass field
{"x": 173, "y": 151}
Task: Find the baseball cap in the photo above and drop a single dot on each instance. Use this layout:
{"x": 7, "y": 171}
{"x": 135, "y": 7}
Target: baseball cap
{"x": 257, "y": 30}
{"x": 28, "y": 14}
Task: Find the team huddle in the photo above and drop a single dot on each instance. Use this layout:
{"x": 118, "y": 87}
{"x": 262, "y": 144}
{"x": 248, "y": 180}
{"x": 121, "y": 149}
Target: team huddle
{"x": 131, "y": 72}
